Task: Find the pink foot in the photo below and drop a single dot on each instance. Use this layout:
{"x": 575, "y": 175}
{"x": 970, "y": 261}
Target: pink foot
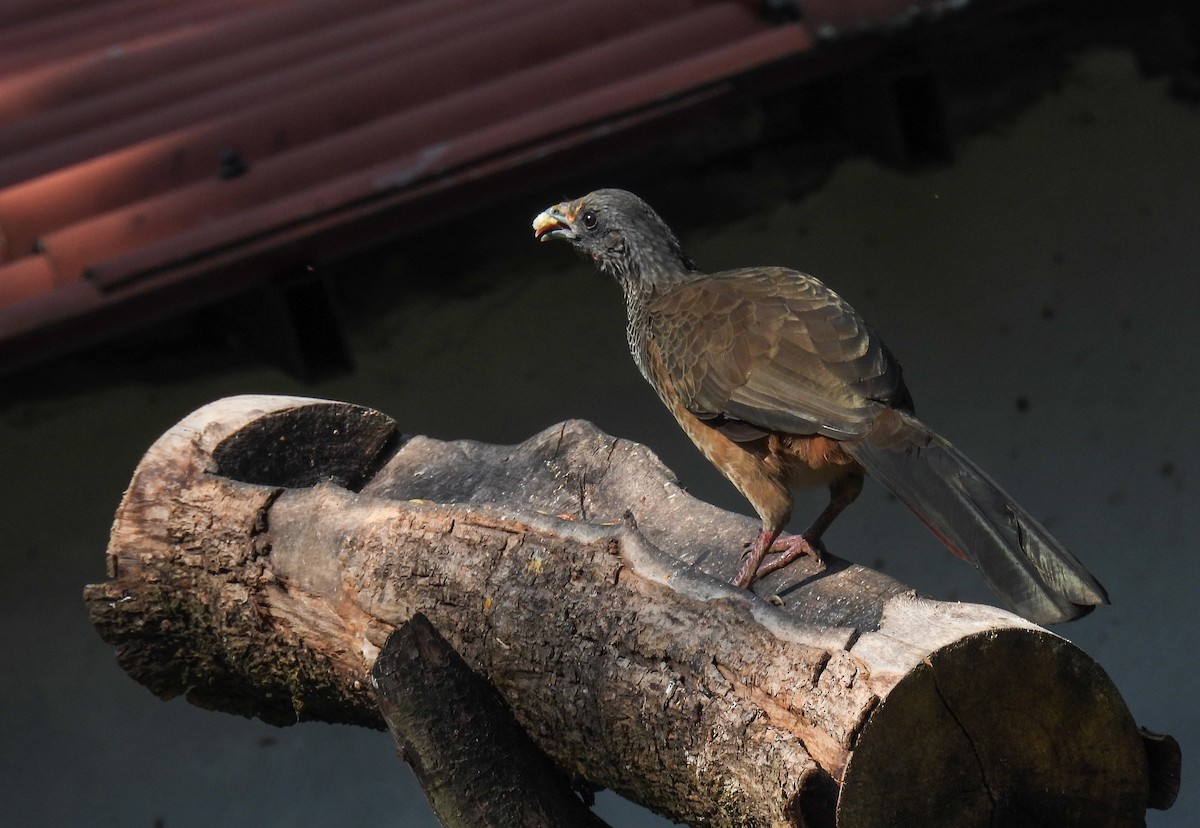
{"x": 762, "y": 544}
{"x": 788, "y": 550}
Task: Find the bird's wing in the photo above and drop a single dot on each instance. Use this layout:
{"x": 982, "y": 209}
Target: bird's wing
{"x": 773, "y": 349}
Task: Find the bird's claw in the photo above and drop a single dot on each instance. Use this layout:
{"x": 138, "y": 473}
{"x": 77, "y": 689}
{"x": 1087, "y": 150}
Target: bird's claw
{"x": 787, "y": 550}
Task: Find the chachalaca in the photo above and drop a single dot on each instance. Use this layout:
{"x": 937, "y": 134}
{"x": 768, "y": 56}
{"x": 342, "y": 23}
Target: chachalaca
{"x": 780, "y": 383}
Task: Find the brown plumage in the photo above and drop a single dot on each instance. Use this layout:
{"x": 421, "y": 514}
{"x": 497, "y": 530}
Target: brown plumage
{"x": 781, "y": 385}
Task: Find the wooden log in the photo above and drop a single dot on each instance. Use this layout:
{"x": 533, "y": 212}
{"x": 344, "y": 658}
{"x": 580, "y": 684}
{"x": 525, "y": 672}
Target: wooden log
{"x": 267, "y": 546}
{"x": 474, "y": 761}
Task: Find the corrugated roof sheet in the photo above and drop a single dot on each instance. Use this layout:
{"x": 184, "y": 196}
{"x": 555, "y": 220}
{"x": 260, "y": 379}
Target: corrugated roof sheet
{"x": 155, "y": 155}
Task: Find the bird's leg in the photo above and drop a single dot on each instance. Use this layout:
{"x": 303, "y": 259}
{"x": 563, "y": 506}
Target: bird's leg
{"x": 842, "y": 493}
{"x": 762, "y": 545}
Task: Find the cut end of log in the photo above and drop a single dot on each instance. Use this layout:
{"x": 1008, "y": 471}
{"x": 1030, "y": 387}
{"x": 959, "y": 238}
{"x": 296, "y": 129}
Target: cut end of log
{"x": 1012, "y": 727}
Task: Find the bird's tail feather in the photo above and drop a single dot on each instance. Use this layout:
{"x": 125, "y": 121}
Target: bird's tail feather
{"x": 1022, "y": 562}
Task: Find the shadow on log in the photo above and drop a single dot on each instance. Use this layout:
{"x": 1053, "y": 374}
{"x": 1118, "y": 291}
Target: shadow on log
{"x": 267, "y": 547}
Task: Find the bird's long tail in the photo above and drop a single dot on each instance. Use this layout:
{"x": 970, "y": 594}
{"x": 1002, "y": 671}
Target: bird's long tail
{"x": 1024, "y": 565}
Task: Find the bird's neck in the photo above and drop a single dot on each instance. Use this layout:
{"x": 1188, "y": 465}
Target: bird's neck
{"x": 641, "y": 283}
{"x": 648, "y": 271}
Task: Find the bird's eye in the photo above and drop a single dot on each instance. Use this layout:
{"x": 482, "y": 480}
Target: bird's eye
{"x": 589, "y": 219}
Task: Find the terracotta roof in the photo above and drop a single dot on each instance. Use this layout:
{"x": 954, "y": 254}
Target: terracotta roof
{"x": 156, "y": 155}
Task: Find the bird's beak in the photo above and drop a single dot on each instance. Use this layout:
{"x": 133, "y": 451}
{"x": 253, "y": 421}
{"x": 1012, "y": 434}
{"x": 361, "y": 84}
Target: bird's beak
{"x": 553, "y": 223}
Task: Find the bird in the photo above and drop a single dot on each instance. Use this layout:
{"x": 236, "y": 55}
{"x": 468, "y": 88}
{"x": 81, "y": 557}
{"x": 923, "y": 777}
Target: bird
{"x": 781, "y": 385}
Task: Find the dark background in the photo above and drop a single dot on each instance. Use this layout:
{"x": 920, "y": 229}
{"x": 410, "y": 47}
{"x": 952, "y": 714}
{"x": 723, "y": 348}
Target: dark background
{"x": 1041, "y": 291}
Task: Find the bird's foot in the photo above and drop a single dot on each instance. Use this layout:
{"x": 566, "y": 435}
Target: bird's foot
{"x": 787, "y": 550}
{"x": 753, "y": 557}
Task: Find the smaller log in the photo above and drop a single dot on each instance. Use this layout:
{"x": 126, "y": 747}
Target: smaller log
{"x": 474, "y": 762}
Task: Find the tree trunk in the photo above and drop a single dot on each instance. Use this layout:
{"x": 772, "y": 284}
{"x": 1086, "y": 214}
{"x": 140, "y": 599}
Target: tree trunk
{"x": 267, "y": 546}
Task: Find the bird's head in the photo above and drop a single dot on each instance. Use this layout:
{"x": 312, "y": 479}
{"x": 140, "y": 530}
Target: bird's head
{"x": 621, "y": 234}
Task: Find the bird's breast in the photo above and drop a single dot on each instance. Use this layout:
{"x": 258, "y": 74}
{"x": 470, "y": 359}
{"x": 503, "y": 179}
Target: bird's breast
{"x": 810, "y": 460}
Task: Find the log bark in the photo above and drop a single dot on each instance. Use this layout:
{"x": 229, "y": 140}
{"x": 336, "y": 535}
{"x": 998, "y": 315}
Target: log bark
{"x": 267, "y": 546}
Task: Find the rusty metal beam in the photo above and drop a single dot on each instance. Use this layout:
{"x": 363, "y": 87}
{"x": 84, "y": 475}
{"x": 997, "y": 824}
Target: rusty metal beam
{"x": 423, "y": 130}
{"x": 100, "y": 28}
{"x": 58, "y": 97}
{"x": 428, "y": 59}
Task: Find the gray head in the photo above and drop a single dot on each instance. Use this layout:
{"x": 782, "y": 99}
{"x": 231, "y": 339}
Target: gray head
{"x": 622, "y": 235}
